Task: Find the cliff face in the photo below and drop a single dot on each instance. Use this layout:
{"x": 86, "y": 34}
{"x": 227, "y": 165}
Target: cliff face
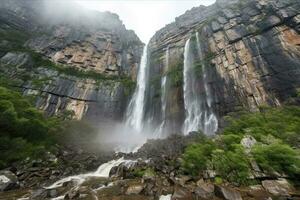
{"x": 251, "y": 48}
{"x": 79, "y": 61}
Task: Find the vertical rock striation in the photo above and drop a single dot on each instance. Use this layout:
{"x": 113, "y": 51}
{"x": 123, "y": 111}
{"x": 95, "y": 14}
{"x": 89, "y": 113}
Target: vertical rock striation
{"x": 250, "y": 50}
{"x": 74, "y": 60}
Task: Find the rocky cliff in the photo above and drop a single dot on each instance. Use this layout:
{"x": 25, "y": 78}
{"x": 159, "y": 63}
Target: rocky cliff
{"x": 70, "y": 59}
{"x": 251, "y": 48}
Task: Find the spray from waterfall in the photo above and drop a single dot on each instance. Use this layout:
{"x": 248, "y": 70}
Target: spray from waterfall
{"x": 197, "y": 101}
{"x": 135, "y": 109}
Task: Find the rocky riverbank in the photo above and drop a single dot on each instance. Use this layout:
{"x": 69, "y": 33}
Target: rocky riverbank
{"x": 153, "y": 172}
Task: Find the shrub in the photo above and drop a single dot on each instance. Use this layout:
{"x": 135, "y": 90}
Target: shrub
{"x": 278, "y": 157}
{"x": 282, "y": 123}
{"x": 231, "y": 165}
{"x": 24, "y": 130}
{"x": 197, "y": 156}
{"x": 277, "y": 150}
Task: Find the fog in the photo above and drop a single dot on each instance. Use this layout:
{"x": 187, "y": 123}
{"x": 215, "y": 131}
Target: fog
{"x": 145, "y": 17}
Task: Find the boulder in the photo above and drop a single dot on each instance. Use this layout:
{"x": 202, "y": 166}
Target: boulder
{"x": 248, "y": 142}
{"x": 72, "y": 194}
{"x": 227, "y": 193}
{"x": 257, "y": 192}
{"x": 182, "y": 193}
{"x": 182, "y": 180}
{"x": 204, "y": 190}
{"x": 277, "y": 187}
{"x": 8, "y": 181}
{"x": 134, "y": 189}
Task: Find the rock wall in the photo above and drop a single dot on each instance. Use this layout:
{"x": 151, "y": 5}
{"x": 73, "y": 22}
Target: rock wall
{"x": 69, "y": 58}
{"x": 252, "y": 48}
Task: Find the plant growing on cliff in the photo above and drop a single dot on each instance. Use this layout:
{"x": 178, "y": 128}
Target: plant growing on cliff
{"x": 23, "y": 127}
{"x": 175, "y": 73}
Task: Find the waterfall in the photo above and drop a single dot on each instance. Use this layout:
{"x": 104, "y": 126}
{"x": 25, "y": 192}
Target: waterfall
{"x": 210, "y": 119}
{"x": 191, "y": 101}
{"x": 164, "y": 90}
{"x": 102, "y": 171}
{"x": 197, "y": 103}
{"x": 135, "y": 109}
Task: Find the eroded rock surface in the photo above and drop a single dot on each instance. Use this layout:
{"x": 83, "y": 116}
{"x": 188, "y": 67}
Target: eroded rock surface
{"x": 96, "y": 58}
{"x": 251, "y": 50}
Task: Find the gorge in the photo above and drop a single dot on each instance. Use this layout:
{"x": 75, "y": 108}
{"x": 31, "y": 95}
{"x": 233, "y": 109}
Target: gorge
{"x": 207, "y": 109}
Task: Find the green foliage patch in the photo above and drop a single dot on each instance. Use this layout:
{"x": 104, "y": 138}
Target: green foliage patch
{"x": 277, "y": 132}
{"x": 24, "y": 130}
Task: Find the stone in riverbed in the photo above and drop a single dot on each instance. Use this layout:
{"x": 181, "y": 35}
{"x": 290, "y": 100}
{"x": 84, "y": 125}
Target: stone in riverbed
{"x": 228, "y": 193}
{"x": 134, "y": 189}
{"x": 8, "y": 181}
{"x": 182, "y": 193}
{"x": 204, "y": 190}
{"x": 277, "y": 187}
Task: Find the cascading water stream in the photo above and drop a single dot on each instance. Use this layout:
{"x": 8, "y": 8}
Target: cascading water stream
{"x": 191, "y": 101}
{"x": 102, "y": 171}
{"x": 199, "y": 113}
{"x": 210, "y": 119}
{"x": 164, "y": 90}
{"x": 135, "y": 109}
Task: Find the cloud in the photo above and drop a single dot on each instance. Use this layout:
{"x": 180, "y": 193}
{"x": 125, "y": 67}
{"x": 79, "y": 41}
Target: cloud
{"x": 145, "y": 17}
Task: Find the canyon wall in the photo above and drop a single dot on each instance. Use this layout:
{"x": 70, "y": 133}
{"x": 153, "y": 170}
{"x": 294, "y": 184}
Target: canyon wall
{"x": 71, "y": 60}
{"x": 251, "y": 50}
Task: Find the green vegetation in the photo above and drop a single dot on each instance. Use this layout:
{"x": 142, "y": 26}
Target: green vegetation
{"x": 15, "y": 38}
{"x": 175, "y": 74}
{"x": 148, "y": 172}
{"x": 24, "y": 131}
{"x": 277, "y": 132}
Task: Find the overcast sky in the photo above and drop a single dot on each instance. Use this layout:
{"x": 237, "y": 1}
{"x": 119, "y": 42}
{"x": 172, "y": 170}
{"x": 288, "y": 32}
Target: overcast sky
{"x": 145, "y": 17}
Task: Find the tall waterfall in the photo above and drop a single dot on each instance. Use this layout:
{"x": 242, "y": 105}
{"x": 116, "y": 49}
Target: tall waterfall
{"x": 199, "y": 114}
{"x": 210, "y": 119}
{"x": 164, "y": 93}
{"x": 135, "y": 109}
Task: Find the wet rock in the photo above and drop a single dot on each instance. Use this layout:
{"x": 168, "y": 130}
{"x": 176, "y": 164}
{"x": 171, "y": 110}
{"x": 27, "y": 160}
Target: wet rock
{"x": 8, "y": 181}
{"x": 182, "y": 180}
{"x": 236, "y": 33}
{"x": 72, "y": 194}
{"x": 215, "y": 26}
{"x": 182, "y": 193}
{"x": 204, "y": 190}
{"x": 52, "y": 193}
{"x": 257, "y": 192}
{"x": 134, "y": 189}
{"x": 270, "y": 22}
{"x": 17, "y": 59}
{"x": 277, "y": 187}
{"x": 227, "y": 193}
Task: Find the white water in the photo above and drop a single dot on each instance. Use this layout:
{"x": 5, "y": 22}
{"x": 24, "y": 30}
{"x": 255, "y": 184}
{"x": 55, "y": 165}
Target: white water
{"x": 191, "y": 102}
{"x": 102, "y": 171}
{"x": 135, "y": 109}
{"x": 165, "y": 197}
{"x": 210, "y": 119}
{"x": 199, "y": 113}
{"x": 164, "y": 93}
